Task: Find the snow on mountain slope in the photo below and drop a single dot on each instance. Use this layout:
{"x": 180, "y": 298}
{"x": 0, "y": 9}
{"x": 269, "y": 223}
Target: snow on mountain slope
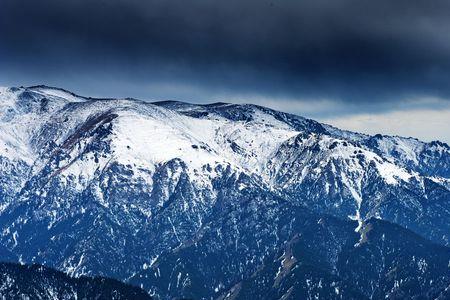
{"x": 245, "y": 144}
{"x": 57, "y": 93}
{"x": 13, "y": 136}
{"x": 200, "y": 141}
{"x": 144, "y": 135}
{"x": 105, "y": 186}
{"x": 407, "y": 149}
{"x": 248, "y": 138}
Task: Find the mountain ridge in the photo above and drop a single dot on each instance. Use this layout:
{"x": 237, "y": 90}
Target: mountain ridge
{"x": 38, "y": 282}
{"x": 115, "y": 187}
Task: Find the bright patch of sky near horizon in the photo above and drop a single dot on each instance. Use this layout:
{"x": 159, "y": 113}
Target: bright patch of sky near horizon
{"x": 427, "y": 119}
{"x": 424, "y": 124}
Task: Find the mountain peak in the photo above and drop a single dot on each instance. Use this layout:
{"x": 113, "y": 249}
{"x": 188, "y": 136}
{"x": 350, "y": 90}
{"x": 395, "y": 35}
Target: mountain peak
{"x": 173, "y": 196}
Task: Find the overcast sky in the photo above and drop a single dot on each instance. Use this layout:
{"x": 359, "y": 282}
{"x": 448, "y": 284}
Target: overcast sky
{"x": 372, "y": 66}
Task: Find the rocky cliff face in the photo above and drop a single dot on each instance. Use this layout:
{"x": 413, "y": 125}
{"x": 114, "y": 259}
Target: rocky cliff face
{"x": 219, "y": 200}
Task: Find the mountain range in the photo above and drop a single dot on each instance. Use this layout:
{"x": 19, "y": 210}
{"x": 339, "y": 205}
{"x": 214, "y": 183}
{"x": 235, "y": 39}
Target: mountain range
{"x": 219, "y": 201}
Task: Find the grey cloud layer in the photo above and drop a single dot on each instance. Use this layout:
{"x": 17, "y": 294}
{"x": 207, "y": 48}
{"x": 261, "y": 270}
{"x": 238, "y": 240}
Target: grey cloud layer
{"x": 351, "y": 50}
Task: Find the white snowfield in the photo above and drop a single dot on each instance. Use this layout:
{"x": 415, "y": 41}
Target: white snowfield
{"x": 146, "y": 135}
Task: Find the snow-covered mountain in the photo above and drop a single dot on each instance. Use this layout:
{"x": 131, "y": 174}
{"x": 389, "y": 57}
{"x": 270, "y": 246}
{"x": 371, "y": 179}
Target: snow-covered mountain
{"x": 137, "y": 190}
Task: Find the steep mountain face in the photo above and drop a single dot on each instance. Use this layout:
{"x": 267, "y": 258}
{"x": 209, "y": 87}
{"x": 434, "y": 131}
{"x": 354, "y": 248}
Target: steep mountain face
{"x": 384, "y": 267}
{"x": 220, "y": 200}
{"x": 38, "y": 282}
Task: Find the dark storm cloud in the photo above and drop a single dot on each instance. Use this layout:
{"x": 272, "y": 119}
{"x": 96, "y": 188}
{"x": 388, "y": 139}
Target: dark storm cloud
{"x": 352, "y": 50}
